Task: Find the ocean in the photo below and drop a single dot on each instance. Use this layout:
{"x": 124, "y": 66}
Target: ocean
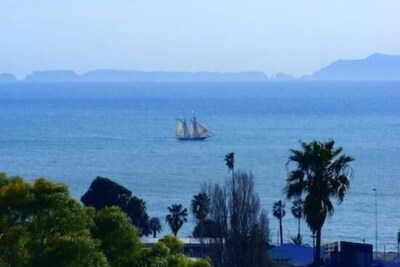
{"x": 73, "y": 132}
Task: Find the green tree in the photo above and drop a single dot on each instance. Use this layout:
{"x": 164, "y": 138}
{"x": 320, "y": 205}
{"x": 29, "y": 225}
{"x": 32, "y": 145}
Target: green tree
{"x": 119, "y": 238}
{"x": 72, "y": 250}
{"x": 320, "y": 172}
{"x": 39, "y": 221}
{"x": 15, "y": 206}
{"x": 206, "y": 262}
{"x": 298, "y": 211}
{"x": 14, "y": 246}
{"x": 40, "y": 225}
{"x": 54, "y": 213}
{"x": 167, "y": 252}
{"x": 155, "y": 226}
{"x": 176, "y": 218}
{"x": 278, "y": 210}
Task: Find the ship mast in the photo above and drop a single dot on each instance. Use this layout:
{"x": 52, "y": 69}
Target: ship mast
{"x": 195, "y": 128}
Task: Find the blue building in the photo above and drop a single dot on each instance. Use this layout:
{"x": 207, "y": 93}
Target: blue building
{"x": 345, "y": 254}
{"x": 337, "y": 254}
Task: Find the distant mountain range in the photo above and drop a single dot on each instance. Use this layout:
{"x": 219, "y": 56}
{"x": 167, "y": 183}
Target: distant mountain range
{"x": 374, "y": 67}
{"x": 7, "y": 77}
{"x": 119, "y": 75}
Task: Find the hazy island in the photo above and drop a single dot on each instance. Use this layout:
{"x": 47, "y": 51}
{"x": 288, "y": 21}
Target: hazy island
{"x": 374, "y": 67}
{"x": 140, "y": 76}
{"x": 7, "y": 77}
{"x": 283, "y": 77}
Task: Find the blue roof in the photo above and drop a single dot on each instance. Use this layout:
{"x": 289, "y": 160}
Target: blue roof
{"x": 379, "y": 263}
{"x": 296, "y": 255}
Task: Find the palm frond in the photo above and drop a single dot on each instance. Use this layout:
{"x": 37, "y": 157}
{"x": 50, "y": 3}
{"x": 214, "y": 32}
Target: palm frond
{"x": 293, "y": 190}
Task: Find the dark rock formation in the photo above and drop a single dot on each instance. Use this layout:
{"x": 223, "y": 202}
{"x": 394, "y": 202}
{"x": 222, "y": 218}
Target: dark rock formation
{"x": 104, "y": 192}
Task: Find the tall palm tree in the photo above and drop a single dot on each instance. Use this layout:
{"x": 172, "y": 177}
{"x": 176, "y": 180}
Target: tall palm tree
{"x": 298, "y": 211}
{"x": 398, "y": 244}
{"x": 278, "y": 210}
{"x": 320, "y": 172}
{"x": 230, "y": 161}
{"x": 176, "y": 217}
{"x": 200, "y": 205}
{"x": 155, "y": 226}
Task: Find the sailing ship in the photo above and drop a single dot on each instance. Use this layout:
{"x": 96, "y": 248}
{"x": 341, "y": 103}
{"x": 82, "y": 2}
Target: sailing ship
{"x": 194, "y": 132}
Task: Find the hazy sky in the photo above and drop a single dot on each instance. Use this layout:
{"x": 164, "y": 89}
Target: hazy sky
{"x": 291, "y": 36}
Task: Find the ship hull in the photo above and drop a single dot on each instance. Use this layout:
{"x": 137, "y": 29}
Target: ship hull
{"x": 191, "y": 138}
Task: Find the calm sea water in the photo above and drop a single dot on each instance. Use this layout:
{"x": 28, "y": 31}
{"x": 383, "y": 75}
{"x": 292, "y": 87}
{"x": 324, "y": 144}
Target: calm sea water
{"x": 73, "y": 132}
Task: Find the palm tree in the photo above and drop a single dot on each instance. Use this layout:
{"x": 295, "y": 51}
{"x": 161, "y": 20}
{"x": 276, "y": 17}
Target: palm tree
{"x": 298, "y": 211}
{"x": 398, "y": 243}
{"x": 296, "y": 240}
{"x": 176, "y": 217}
{"x": 230, "y": 161}
{"x": 200, "y": 206}
{"x": 321, "y": 172}
{"x": 278, "y": 210}
{"x": 137, "y": 212}
{"x": 155, "y": 226}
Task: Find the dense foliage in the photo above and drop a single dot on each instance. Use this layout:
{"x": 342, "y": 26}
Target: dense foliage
{"x": 167, "y": 252}
{"x": 104, "y": 192}
{"x": 41, "y": 225}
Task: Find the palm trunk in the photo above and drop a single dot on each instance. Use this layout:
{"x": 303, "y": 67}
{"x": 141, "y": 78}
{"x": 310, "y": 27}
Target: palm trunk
{"x": 201, "y": 236}
{"x": 280, "y": 230}
{"x": 222, "y": 254}
{"x": 298, "y": 230}
{"x": 234, "y": 225}
{"x": 317, "y": 254}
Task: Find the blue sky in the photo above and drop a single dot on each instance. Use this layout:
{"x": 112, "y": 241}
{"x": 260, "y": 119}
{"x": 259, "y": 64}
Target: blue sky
{"x": 291, "y": 36}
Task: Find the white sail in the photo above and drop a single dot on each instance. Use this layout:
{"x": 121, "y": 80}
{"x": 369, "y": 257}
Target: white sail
{"x": 181, "y": 129}
{"x": 202, "y": 131}
{"x": 193, "y": 130}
